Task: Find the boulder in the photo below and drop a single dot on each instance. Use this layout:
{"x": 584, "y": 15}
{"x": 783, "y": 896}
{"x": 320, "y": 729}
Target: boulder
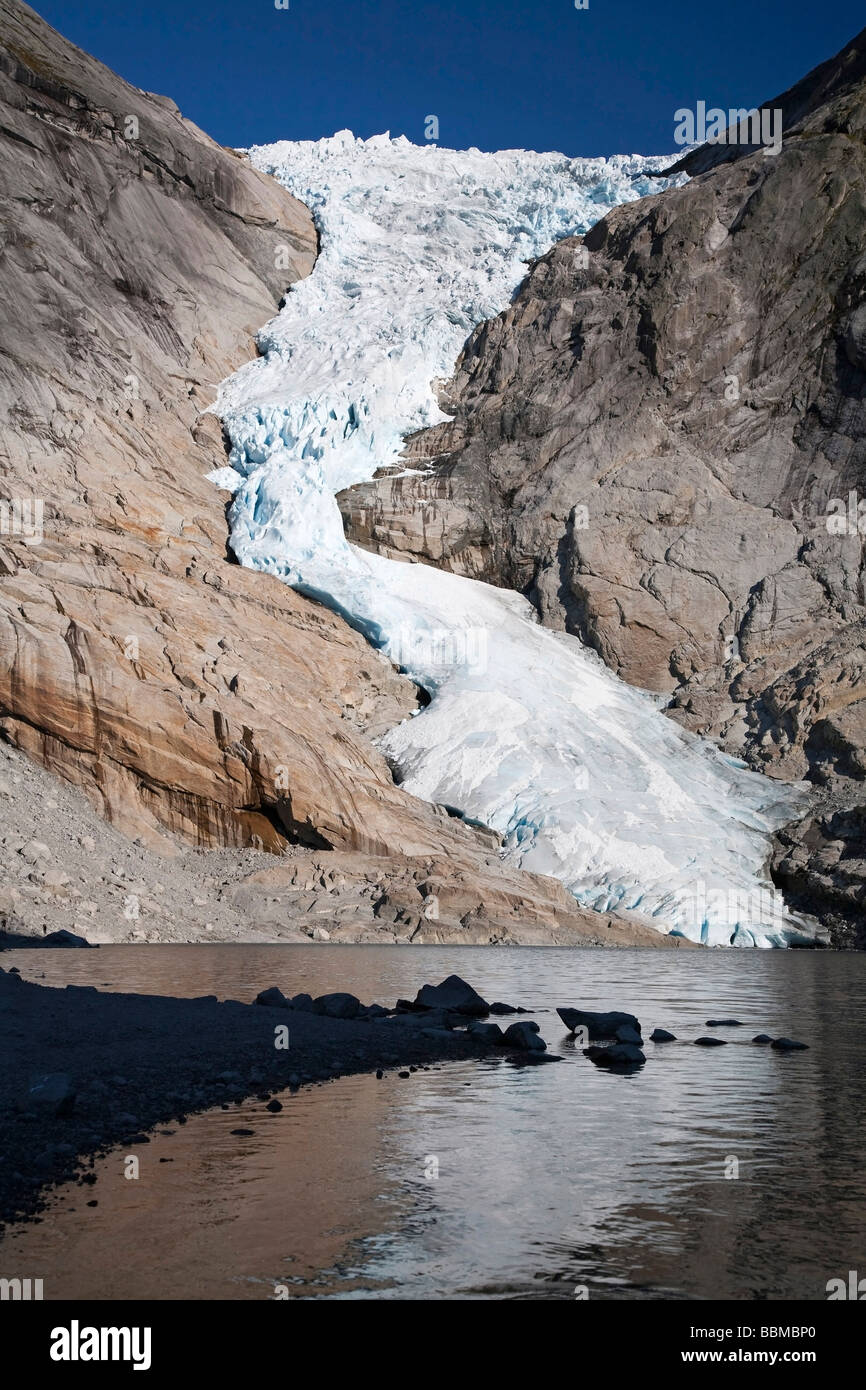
{"x": 337, "y": 1005}
{"x": 500, "y": 1008}
{"x": 711, "y": 1042}
{"x": 525, "y": 1036}
{"x": 661, "y": 1035}
{"x": 53, "y": 1094}
{"x": 724, "y": 1023}
{"x": 302, "y": 1002}
{"x": 626, "y": 1034}
{"x": 487, "y": 1032}
{"x": 599, "y": 1026}
{"x": 454, "y": 994}
{"x": 789, "y": 1045}
{"x": 273, "y": 998}
{"x": 62, "y": 937}
{"x": 762, "y": 1038}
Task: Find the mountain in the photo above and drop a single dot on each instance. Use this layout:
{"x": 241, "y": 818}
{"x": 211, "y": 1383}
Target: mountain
{"x": 191, "y": 701}
{"x": 662, "y": 443}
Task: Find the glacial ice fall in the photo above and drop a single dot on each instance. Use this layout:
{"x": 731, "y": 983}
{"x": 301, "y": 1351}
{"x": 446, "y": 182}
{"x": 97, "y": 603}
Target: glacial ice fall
{"x": 583, "y": 776}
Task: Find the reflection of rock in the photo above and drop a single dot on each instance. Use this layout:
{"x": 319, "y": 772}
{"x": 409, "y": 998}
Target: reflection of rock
{"x": 650, "y": 446}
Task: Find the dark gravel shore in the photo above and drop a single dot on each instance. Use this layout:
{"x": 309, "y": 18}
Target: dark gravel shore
{"x": 135, "y": 1062}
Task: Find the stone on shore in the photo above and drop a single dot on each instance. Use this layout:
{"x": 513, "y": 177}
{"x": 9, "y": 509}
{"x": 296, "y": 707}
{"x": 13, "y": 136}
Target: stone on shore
{"x": 337, "y": 1006}
{"x": 53, "y": 1093}
{"x": 273, "y": 998}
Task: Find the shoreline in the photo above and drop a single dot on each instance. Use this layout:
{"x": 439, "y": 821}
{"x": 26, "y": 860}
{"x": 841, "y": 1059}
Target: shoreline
{"x": 138, "y": 1061}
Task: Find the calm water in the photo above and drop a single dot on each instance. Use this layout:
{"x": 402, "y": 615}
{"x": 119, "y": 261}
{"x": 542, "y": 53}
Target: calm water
{"x": 549, "y": 1178}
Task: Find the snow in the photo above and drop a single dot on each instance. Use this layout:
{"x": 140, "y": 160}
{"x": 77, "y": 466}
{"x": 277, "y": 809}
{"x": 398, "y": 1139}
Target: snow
{"x": 527, "y": 731}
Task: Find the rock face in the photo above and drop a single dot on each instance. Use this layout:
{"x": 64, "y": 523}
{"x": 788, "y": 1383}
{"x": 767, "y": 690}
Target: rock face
{"x": 191, "y": 700}
{"x": 662, "y": 442}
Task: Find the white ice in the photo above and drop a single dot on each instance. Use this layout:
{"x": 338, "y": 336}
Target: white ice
{"x": 527, "y": 731}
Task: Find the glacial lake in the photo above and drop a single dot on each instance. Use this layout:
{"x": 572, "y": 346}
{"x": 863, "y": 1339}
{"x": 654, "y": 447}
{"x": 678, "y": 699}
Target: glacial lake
{"x": 484, "y": 1180}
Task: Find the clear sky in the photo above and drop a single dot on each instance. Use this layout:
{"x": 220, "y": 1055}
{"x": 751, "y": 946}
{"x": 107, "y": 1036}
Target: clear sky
{"x": 498, "y": 73}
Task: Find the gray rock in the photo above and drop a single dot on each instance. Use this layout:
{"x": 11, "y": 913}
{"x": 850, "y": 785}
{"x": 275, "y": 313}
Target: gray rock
{"x": 52, "y": 1093}
{"x": 337, "y": 1005}
{"x": 711, "y": 1042}
{"x": 487, "y": 1032}
{"x": 599, "y": 1025}
{"x": 762, "y": 1038}
{"x": 789, "y": 1045}
{"x": 682, "y": 534}
{"x": 272, "y": 998}
{"x": 454, "y": 994}
{"x": 525, "y": 1036}
{"x": 65, "y": 938}
{"x": 661, "y": 1035}
{"x": 626, "y": 1034}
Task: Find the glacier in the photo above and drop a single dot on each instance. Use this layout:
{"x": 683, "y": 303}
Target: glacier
{"x": 526, "y": 730}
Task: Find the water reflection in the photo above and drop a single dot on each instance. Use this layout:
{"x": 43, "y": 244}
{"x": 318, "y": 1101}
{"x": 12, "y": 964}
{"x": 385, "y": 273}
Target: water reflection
{"x": 549, "y": 1178}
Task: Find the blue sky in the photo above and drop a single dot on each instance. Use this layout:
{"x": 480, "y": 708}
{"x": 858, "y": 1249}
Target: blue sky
{"x": 498, "y": 73}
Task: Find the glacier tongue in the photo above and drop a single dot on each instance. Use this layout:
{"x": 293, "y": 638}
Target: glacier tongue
{"x": 527, "y": 731}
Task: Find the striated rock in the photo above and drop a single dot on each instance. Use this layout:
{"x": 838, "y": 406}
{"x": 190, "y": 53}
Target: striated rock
{"x": 662, "y": 442}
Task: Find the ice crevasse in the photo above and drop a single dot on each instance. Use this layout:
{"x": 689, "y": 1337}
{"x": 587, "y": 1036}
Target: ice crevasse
{"x": 584, "y": 777}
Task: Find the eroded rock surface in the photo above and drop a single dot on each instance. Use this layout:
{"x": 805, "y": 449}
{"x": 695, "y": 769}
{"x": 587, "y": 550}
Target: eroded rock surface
{"x": 662, "y": 441}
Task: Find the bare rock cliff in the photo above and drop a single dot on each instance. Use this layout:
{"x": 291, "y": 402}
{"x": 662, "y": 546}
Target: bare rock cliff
{"x": 662, "y": 442}
{"x": 192, "y": 701}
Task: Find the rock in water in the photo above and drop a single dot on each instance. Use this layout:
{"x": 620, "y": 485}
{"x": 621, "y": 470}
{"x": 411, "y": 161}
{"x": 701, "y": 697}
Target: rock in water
{"x": 337, "y": 1006}
{"x": 660, "y": 1035}
{"x": 724, "y": 1023}
{"x": 487, "y": 1032}
{"x": 711, "y": 1042}
{"x": 599, "y": 1026}
{"x": 789, "y": 1045}
{"x": 762, "y": 1038}
{"x": 454, "y": 994}
{"x": 626, "y": 1034}
{"x": 524, "y": 1035}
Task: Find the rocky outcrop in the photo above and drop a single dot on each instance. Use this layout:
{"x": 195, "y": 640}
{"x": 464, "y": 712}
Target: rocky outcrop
{"x": 662, "y": 442}
{"x": 192, "y": 701}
